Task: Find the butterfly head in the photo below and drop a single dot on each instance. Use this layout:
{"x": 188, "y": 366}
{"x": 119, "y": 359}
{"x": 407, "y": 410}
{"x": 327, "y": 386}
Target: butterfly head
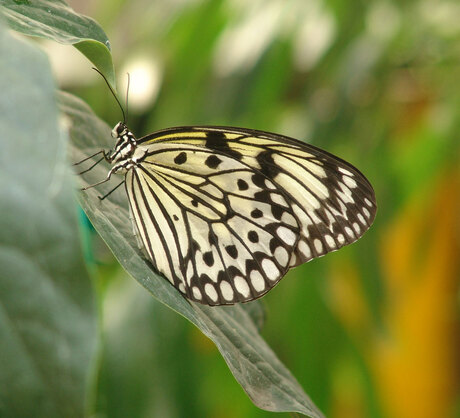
{"x": 119, "y": 130}
{"x": 125, "y": 145}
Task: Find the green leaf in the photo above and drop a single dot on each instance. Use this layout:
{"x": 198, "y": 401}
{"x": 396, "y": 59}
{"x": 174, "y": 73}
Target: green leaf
{"x": 55, "y": 20}
{"x": 264, "y": 378}
{"x": 48, "y": 334}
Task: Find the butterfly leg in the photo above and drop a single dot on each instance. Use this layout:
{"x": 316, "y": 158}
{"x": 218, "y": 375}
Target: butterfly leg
{"x": 111, "y": 191}
{"x": 90, "y": 167}
{"x": 91, "y": 156}
{"x": 105, "y": 156}
{"x": 102, "y": 181}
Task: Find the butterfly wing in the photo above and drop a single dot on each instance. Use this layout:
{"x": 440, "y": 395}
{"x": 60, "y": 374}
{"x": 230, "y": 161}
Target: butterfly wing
{"x": 220, "y": 231}
{"x": 224, "y": 212}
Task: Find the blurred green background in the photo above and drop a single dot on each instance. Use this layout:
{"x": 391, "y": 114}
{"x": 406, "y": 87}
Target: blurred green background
{"x": 369, "y": 331}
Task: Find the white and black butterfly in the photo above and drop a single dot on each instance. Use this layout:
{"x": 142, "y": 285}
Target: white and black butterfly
{"x": 223, "y": 213}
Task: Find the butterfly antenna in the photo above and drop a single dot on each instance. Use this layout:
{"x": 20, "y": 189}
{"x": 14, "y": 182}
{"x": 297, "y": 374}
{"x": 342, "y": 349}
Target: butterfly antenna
{"x": 127, "y": 92}
{"x": 113, "y": 93}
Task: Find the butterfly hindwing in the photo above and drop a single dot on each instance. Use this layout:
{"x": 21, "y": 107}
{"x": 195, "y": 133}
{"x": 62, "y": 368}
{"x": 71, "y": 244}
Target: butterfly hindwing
{"x": 220, "y": 231}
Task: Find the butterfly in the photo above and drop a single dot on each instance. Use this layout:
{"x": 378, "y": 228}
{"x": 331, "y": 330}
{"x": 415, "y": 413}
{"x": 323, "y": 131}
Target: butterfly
{"x": 223, "y": 213}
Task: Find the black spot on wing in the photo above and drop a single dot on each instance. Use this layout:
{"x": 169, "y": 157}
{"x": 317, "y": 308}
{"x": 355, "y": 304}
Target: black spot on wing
{"x": 263, "y": 196}
{"x": 181, "y": 158}
{"x": 213, "y": 161}
{"x": 242, "y": 185}
{"x": 208, "y": 258}
{"x": 217, "y": 141}
{"x": 277, "y": 211}
{"x": 232, "y": 251}
{"x": 268, "y": 166}
{"x": 258, "y": 180}
{"x": 253, "y": 236}
{"x": 257, "y": 213}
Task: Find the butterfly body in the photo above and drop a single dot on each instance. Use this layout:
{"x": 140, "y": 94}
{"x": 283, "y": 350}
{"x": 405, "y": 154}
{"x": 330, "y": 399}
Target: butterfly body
{"x": 224, "y": 213}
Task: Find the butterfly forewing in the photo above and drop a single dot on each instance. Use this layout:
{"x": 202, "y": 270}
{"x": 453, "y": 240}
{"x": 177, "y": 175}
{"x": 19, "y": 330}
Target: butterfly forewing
{"x": 332, "y": 201}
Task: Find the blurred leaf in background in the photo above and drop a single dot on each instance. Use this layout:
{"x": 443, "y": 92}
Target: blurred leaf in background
{"x": 48, "y": 320}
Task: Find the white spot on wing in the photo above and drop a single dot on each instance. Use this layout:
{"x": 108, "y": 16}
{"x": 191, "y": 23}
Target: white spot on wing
{"x": 257, "y": 280}
{"x": 286, "y": 235}
{"x": 356, "y": 227}
{"x": 367, "y": 213}
{"x": 341, "y": 238}
{"x": 304, "y": 249}
{"x": 269, "y": 184}
{"x": 349, "y": 232}
{"x": 196, "y": 292}
{"x": 368, "y": 202}
{"x": 349, "y": 182}
{"x": 361, "y": 219}
{"x": 210, "y": 291}
{"x": 344, "y": 171}
{"x": 330, "y": 241}
{"x": 226, "y": 290}
{"x": 318, "y": 245}
{"x": 189, "y": 271}
{"x": 270, "y": 269}
{"x": 281, "y": 256}
{"x": 241, "y": 286}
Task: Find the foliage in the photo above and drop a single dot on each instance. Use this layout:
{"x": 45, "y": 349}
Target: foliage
{"x": 371, "y": 330}
{"x": 48, "y": 336}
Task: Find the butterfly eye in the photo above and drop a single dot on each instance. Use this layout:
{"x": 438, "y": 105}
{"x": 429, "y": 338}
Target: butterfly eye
{"x": 118, "y": 130}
